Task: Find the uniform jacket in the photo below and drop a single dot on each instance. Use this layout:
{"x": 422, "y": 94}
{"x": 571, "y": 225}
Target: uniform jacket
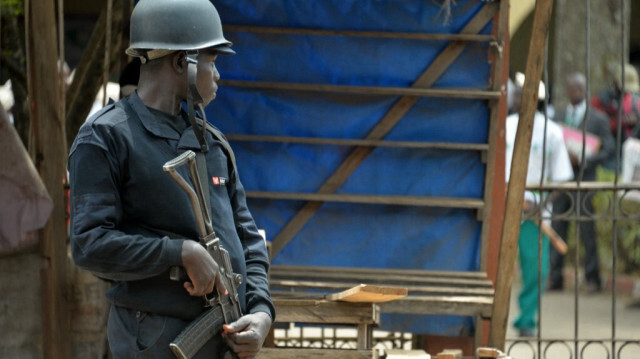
{"x": 121, "y": 200}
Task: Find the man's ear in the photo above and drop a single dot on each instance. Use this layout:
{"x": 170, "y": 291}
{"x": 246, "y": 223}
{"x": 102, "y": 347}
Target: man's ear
{"x": 179, "y": 62}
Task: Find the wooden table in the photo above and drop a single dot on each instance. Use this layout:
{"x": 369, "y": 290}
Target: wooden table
{"x": 321, "y": 311}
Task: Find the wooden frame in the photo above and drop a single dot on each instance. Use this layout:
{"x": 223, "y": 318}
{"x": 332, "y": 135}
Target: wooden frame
{"x": 384, "y": 126}
{"x": 362, "y": 143}
{"x": 366, "y": 90}
{"x": 375, "y": 34}
{"x": 429, "y": 292}
{"x": 494, "y": 184}
{"x": 491, "y": 151}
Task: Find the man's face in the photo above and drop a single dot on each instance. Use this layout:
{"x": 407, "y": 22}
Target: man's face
{"x": 575, "y": 92}
{"x": 208, "y": 75}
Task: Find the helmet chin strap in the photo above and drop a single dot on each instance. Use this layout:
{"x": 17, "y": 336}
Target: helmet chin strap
{"x": 195, "y": 99}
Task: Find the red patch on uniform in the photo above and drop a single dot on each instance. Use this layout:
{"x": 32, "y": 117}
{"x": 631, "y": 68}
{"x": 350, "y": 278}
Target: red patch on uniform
{"x": 216, "y": 181}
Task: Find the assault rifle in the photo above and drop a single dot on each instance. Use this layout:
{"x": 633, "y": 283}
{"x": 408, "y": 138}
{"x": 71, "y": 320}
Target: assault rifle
{"x": 224, "y": 308}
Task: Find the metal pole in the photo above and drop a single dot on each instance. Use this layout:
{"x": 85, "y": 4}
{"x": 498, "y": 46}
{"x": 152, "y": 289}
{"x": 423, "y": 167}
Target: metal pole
{"x": 543, "y": 203}
{"x": 616, "y": 177}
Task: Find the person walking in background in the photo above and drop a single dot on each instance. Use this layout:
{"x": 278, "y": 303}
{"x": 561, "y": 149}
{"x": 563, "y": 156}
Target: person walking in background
{"x": 608, "y": 101}
{"x": 596, "y": 124}
{"x": 548, "y": 157}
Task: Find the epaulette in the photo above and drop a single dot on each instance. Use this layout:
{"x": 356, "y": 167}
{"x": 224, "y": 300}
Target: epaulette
{"x": 101, "y": 111}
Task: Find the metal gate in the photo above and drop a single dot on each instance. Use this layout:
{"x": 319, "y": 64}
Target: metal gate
{"x": 572, "y": 323}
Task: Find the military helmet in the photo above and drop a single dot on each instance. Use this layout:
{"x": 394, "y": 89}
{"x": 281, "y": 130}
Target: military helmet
{"x": 173, "y": 25}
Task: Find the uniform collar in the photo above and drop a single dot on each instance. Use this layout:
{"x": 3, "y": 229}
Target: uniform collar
{"x": 149, "y": 121}
{"x": 186, "y": 141}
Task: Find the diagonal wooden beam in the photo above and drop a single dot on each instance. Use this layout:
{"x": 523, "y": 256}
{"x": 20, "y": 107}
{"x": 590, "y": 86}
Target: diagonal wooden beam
{"x": 386, "y": 124}
{"x": 517, "y": 178}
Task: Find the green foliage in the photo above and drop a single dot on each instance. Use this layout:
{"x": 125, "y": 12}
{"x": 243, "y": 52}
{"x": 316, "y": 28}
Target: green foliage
{"x": 11, "y": 7}
{"x": 627, "y": 230}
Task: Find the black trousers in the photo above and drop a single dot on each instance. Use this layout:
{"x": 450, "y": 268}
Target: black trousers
{"x": 587, "y": 236}
{"x": 138, "y": 335}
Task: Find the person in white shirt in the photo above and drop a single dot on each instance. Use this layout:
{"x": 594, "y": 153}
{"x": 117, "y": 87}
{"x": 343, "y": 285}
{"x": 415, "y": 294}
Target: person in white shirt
{"x": 549, "y": 160}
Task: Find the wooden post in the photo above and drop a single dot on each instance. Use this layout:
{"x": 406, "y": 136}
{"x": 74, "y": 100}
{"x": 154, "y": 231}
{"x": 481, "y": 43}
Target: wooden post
{"x": 495, "y": 187}
{"x": 49, "y": 149}
{"x": 519, "y": 165}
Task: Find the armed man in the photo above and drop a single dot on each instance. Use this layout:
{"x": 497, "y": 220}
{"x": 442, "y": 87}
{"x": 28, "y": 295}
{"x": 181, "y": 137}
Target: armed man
{"x": 133, "y": 224}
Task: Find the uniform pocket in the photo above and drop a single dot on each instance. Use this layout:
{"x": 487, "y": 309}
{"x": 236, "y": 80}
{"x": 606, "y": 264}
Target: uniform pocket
{"x": 150, "y": 329}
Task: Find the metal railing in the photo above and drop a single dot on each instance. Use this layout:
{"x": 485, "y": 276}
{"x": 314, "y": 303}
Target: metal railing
{"x": 619, "y": 206}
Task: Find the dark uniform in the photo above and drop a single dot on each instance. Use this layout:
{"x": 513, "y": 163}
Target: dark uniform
{"x": 121, "y": 205}
{"x": 597, "y": 124}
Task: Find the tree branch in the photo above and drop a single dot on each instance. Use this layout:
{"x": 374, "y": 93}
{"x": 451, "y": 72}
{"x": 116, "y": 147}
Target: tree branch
{"x": 88, "y": 76}
{"x": 17, "y": 69}
{"x": 14, "y": 68}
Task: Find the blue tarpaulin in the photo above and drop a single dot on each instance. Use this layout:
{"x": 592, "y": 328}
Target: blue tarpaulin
{"x": 359, "y": 235}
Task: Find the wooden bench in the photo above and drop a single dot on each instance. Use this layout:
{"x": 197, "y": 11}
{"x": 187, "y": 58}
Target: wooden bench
{"x": 429, "y": 292}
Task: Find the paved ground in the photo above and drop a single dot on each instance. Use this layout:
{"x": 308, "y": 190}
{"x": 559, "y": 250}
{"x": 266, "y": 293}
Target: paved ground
{"x": 594, "y": 323}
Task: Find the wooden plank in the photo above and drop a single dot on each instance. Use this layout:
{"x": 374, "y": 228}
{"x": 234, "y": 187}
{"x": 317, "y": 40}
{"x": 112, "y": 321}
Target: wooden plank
{"x": 454, "y": 305}
{"x": 359, "y": 142}
{"x": 351, "y": 33}
{"x": 325, "y": 312}
{"x": 366, "y": 90}
{"x": 386, "y": 124}
{"x": 49, "y": 148}
{"x": 497, "y": 116}
{"x": 401, "y": 354}
{"x": 495, "y": 188}
{"x": 398, "y": 280}
{"x": 470, "y": 203}
{"x": 366, "y": 293}
{"x": 292, "y": 270}
{"x": 450, "y": 354}
{"x": 279, "y": 286}
{"x": 487, "y": 353}
{"x": 520, "y": 161}
{"x": 312, "y": 353}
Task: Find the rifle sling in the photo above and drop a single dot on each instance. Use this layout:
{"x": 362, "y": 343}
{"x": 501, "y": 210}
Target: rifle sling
{"x": 201, "y": 163}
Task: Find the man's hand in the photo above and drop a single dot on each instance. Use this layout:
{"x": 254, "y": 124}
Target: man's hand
{"x": 202, "y": 270}
{"x": 575, "y": 160}
{"x": 246, "y": 335}
{"x": 630, "y": 119}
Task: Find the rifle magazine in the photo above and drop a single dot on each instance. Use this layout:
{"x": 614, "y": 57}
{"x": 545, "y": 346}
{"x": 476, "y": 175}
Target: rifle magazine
{"x": 187, "y": 344}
